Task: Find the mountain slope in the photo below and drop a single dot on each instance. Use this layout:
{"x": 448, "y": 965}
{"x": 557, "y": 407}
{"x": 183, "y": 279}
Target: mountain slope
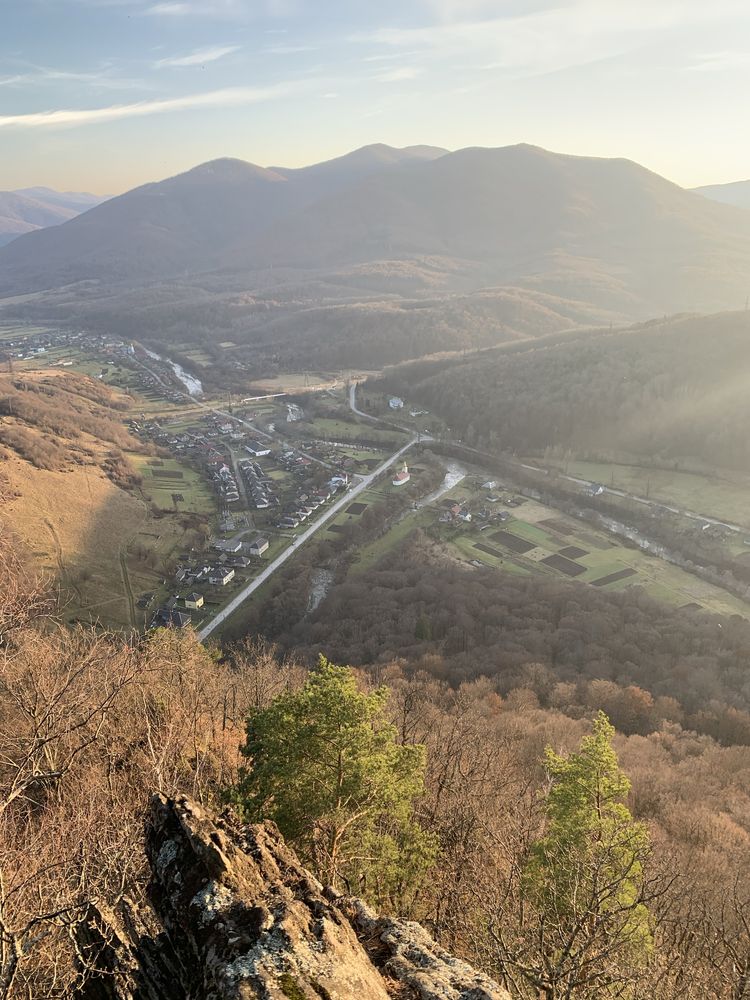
{"x": 193, "y": 222}
{"x": 606, "y": 232}
{"x": 659, "y": 392}
{"x": 30, "y": 209}
{"x": 737, "y": 193}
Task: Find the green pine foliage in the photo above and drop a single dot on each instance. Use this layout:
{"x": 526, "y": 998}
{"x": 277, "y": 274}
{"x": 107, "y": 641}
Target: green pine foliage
{"x": 585, "y": 876}
{"x": 324, "y": 764}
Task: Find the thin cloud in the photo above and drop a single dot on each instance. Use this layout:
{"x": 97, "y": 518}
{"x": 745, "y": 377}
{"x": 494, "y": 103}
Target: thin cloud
{"x": 288, "y": 50}
{"x": 551, "y": 37}
{"x": 103, "y": 78}
{"x": 198, "y": 8}
{"x": 169, "y": 9}
{"x": 398, "y": 75}
{"x": 199, "y": 57}
{"x": 230, "y": 97}
{"x": 720, "y": 62}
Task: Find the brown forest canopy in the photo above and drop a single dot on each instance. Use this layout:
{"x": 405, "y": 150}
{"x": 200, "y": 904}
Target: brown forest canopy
{"x": 574, "y": 647}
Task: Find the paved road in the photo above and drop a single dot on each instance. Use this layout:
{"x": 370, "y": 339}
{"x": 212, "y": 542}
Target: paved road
{"x": 363, "y": 482}
{"x": 645, "y": 501}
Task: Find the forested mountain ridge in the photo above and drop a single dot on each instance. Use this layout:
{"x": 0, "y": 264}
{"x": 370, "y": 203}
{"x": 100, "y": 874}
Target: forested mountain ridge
{"x": 606, "y": 232}
{"x": 660, "y": 391}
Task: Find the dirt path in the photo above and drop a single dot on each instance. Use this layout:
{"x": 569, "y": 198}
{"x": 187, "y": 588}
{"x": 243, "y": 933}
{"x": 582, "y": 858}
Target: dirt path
{"x": 128, "y": 588}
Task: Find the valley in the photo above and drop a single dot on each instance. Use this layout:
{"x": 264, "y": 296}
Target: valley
{"x": 179, "y": 525}
{"x": 425, "y": 474}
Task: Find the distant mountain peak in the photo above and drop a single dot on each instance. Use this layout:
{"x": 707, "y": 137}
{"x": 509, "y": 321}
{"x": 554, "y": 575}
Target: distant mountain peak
{"x": 735, "y": 193}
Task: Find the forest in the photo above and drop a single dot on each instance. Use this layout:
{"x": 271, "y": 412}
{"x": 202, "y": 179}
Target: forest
{"x": 662, "y": 392}
{"x": 91, "y": 724}
{"x": 568, "y": 646}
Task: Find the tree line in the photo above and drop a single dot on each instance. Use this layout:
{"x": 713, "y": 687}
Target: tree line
{"x": 661, "y": 392}
{"x": 602, "y": 866}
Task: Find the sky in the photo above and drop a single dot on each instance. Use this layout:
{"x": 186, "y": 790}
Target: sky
{"x": 102, "y": 95}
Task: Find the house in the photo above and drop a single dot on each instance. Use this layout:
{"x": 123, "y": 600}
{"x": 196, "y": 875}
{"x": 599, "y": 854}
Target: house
{"x": 256, "y": 449}
{"x": 231, "y": 545}
{"x": 259, "y": 546}
{"x": 166, "y": 618}
{"x": 594, "y": 490}
{"x": 240, "y": 562}
{"x": 221, "y": 575}
{"x": 396, "y": 403}
{"x": 194, "y": 601}
{"x": 489, "y": 485}
{"x": 402, "y": 477}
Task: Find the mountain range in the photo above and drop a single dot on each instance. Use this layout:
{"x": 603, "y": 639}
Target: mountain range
{"x": 30, "y": 209}
{"x": 605, "y": 239}
{"x": 737, "y": 193}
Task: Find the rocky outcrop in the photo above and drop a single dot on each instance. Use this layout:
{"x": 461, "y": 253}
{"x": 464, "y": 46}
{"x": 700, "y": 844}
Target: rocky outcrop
{"x": 240, "y": 917}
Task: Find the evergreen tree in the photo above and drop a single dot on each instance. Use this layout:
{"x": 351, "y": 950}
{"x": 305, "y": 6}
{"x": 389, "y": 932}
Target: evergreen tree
{"x": 324, "y": 764}
{"x": 583, "y": 892}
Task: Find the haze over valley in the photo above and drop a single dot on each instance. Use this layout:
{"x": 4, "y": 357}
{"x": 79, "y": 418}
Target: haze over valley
{"x": 374, "y": 529}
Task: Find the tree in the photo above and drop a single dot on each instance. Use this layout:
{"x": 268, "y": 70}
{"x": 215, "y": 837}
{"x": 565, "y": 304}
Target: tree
{"x": 326, "y": 767}
{"x": 585, "y": 929}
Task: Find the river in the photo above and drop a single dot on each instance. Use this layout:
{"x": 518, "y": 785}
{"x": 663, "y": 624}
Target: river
{"x": 193, "y": 385}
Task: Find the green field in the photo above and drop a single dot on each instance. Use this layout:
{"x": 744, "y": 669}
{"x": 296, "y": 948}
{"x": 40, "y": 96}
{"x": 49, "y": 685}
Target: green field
{"x": 342, "y": 430}
{"x": 199, "y": 498}
{"x": 718, "y": 494}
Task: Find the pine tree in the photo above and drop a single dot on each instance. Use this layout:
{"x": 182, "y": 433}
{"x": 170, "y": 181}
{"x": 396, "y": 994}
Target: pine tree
{"x": 583, "y": 892}
{"x": 324, "y": 764}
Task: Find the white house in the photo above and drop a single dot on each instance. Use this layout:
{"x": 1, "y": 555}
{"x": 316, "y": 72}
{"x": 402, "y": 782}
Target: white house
{"x": 258, "y": 547}
{"x": 257, "y": 449}
{"x": 396, "y": 403}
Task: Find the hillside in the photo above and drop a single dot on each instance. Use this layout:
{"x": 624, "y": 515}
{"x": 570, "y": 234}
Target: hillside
{"x": 194, "y": 222}
{"x": 737, "y": 193}
{"x": 70, "y": 493}
{"x": 661, "y": 392}
{"x": 608, "y": 233}
{"x": 30, "y": 209}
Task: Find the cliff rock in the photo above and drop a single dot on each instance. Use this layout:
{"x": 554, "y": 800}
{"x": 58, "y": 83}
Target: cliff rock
{"x": 238, "y": 917}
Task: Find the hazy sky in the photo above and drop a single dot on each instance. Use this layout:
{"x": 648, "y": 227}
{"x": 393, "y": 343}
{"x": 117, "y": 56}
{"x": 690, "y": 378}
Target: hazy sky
{"x": 105, "y": 94}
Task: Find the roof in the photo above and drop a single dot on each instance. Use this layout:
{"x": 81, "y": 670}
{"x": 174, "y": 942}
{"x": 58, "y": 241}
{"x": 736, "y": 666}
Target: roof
{"x": 171, "y": 618}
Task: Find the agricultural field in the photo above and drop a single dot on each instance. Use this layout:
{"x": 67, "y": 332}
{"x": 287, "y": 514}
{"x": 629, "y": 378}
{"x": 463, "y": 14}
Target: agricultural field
{"x": 538, "y": 539}
{"x": 15, "y": 331}
{"x": 722, "y": 494}
{"x": 163, "y": 477}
